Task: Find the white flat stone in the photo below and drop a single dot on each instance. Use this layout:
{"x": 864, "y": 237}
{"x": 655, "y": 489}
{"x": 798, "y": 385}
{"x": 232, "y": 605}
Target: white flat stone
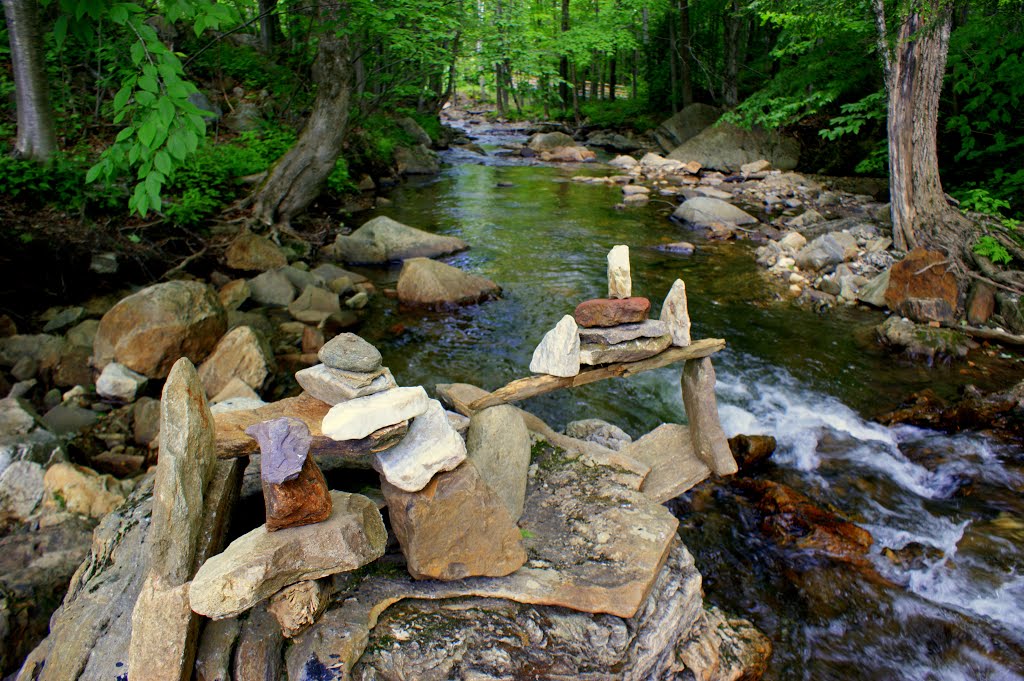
{"x": 355, "y": 419}
{"x": 333, "y": 386}
{"x": 558, "y": 353}
{"x": 674, "y": 312}
{"x": 610, "y": 335}
{"x": 620, "y": 284}
{"x": 431, "y": 446}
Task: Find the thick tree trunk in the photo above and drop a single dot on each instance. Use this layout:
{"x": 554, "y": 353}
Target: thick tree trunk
{"x": 730, "y": 81}
{"x": 297, "y": 178}
{"x": 36, "y": 137}
{"x": 920, "y": 214}
{"x": 613, "y": 80}
{"x": 673, "y": 63}
{"x": 270, "y": 25}
{"x": 563, "y": 64}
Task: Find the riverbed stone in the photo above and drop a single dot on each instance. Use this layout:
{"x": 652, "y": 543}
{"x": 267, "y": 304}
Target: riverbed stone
{"x": 241, "y": 354}
{"x": 216, "y": 643}
{"x": 726, "y": 147}
{"x": 432, "y": 446}
{"x": 82, "y": 490}
{"x": 676, "y": 315}
{"x": 611, "y": 312}
{"x": 568, "y": 154}
{"x": 668, "y": 450}
{"x": 628, "y": 351}
{"x": 299, "y": 606}
{"x": 548, "y": 141}
{"x": 383, "y": 240}
{"x": 334, "y": 385}
{"x": 429, "y": 283}
{"x": 119, "y": 383}
{"x": 981, "y": 303}
{"x": 272, "y": 288}
{"x": 302, "y": 500}
{"x": 611, "y": 335}
{"x": 235, "y": 390}
{"x": 620, "y": 284}
{"x": 923, "y": 288}
{"x": 148, "y": 331}
{"x": 600, "y": 432}
{"x": 260, "y": 563}
{"x": 558, "y": 353}
{"x": 826, "y": 250}
{"x": 314, "y": 305}
{"x": 358, "y": 418}
{"x": 234, "y": 293}
{"x": 349, "y": 352}
{"x": 455, "y": 527}
{"x": 21, "y": 489}
{"x": 704, "y": 210}
{"x": 498, "y": 444}
{"x": 873, "y": 292}
{"x": 251, "y": 252}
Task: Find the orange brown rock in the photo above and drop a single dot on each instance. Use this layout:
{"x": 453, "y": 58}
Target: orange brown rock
{"x": 922, "y": 287}
{"x": 612, "y": 312}
{"x": 302, "y": 501}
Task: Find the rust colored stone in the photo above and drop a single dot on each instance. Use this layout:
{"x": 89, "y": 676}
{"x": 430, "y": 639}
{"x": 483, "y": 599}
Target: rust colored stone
{"x": 981, "y": 303}
{"x": 922, "y": 288}
{"x": 612, "y": 312}
{"x": 302, "y": 501}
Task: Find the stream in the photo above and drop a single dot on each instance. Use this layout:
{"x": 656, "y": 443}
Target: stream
{"x": 813, "y": 381}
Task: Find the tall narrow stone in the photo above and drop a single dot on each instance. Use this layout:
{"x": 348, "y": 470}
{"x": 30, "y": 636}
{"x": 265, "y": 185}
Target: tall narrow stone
{"x": 558, "y": 353}
{"x": 709, "y": 441}
{"x": 164, "y": 628}
{"x": 499, "y": 447}
{"x": 674, "y": 312}
{"x": 620, "y": 283}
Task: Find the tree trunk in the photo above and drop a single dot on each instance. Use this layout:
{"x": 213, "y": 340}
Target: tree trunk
{"x": 297, "y": 178}
{"x": 914, "y": 68}
{"x": 612, "y": 78}
{"x": 270, "y": 25}
{"x": 685, "y": 56}
{"x": 673, "y": 64}
{"x": 730, "y": 80}
{"x": 36, "y": 137}
{"x": 563, "y": 64}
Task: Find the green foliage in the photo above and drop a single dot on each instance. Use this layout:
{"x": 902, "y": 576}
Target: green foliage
{"x": 981, "y": 201}
{"x": 622, "y": 113}
{"x": 855, "y": 116}
{"x": 339, "y": 181}
{"x": 58, "y": 182}
{"x": 989, "y": 247}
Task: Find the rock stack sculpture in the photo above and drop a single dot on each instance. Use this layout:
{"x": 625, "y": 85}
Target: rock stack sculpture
{"x": 613, "y": 329}
{"x": 350, "y": 368}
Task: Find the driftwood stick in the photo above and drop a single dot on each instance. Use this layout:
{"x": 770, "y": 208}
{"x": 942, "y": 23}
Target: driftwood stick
{"x": 542, "y": 384}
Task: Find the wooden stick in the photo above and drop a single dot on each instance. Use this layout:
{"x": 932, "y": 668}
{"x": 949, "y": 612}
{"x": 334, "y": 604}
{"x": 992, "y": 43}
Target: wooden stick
{"x": 543, "y": 383}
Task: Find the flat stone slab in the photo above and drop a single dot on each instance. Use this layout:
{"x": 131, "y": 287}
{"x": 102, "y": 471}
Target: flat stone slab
{"x": 675, "y": 468}
{"x": 630, "y": 351}
{"x": 611, "y": 335}
{"x": 358, "y": 418}
{"x": 232, "y": 440}
{"x": 431, "y": 446}
{"x": 334, "y": 385}
{"x": 260, "y": 563}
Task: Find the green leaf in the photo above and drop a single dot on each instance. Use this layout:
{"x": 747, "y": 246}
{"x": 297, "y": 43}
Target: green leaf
{"x": 176, "y": 146}
{"x": 93, "y": 173}
{"x": 165, "y": 107}
{"x": 148, "y": 131}
{"x": 122, "y": 97}
{"x": 125, "y": 134}
{"x": 60, "y": 30}
{"x": 149, "y": 84}
{"x": 162, "y": 161}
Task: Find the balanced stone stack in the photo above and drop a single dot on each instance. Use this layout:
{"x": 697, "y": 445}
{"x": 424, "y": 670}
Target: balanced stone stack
{"x": 613, "y": 329}
{"x": 350, "y": 368}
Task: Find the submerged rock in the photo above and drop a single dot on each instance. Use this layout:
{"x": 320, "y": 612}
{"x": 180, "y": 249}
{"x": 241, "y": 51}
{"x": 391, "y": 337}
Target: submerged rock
{"x": 383, "y": 240}
{"x": 923, "y": 341}
{"x": 704, "y": 210}
{"x": 428, "y": 283}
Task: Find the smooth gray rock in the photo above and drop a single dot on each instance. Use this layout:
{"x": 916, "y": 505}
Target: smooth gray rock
{"x": 284, "y": 446}
{"x": 382, "y": 240}
{"x": 610, "y": 335}
{"x": 349, "y": 352}
{"x": 499, "y": 446}
{"x": 704, "y": 210}
{"x": 431, "y": 446}
{"x": 271, "y": 288}
{"x": 629, "y": 351}
{"x": 314, "y": 305}
{"x": 21, "y": 489}
{"x": 827, "y": 249}
{"x": 355, "y": 419}
{"x": 119, "y": 383}
{"x": 595, "y": 430}
{"x": 727, "y": 147}
{"x": 334, "y": 385}
{"x": 676, "y": 314}
{"x": 558, "y": 353}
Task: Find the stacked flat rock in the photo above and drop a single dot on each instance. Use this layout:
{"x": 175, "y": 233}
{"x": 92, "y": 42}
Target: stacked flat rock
{"x": 294, "y": 490}
{"x": 350, "y": 368}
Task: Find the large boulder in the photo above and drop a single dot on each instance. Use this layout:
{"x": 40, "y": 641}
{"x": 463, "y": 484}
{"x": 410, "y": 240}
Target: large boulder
{"x": 417, "y": 160}
{"x": 923, "y": 287}
{"x": 548, "y": 141}
{"x": 685, "y": 125}
{"x": 428, "y": 283}
{"x": 827, "y": 250}
{"x": 704, "y": 210}
{"x": 383, "y": 240}
{"x": 726, "y": 147}
{"x": 250, "y": 252}
{"x": 150, "y": 330}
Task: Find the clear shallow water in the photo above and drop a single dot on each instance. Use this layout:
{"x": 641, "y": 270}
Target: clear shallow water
{"x": 811, "y": 381}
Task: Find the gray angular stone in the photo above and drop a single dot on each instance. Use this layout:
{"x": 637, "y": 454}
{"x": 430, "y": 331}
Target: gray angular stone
{"x": 118, "y": 382}
{"x": 334, "y": 385}
{"x": 21, "y": 489}
{"x": 827, "y": 249}
{"x": 314, "y": 305}
{"x": 630, "y": 351}
{"x": 355, "y": 419}
{"x": 349, "y": 352}
{"x": 668, "y": 450}
{"x": 704, "y": 210}
{"x": 272, "y": 288}
{"x": 431, "y": 446}
{"x": 260, "y": 563}
{"x": 284, "y": 445}
{"x": 620, "y": 283}
{"x": 603, "y": 433}
{"x": 382, "y": 240}
{"x": 499, "y": 446}
{"x": 610, "y": 335}
{"x": 675, "y": 313}
{"x": 558, "y": 353}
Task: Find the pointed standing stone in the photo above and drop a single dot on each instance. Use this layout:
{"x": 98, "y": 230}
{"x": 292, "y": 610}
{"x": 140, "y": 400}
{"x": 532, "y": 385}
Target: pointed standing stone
{"x": 164, "y": 629}
{"x": 620, "y": 283}
{"x": 674, "y": 313}
{"x": 431, "y": 446}
{"x": 499, "y": 447}
{"x": 558, "y": 353}
{"x": 709, "y": 442}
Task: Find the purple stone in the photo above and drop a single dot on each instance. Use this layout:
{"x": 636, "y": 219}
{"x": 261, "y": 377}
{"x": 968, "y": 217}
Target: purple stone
{"x": 284, "y": 443}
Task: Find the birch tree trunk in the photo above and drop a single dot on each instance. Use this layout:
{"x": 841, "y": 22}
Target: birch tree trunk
{"x": 36, "y": 137}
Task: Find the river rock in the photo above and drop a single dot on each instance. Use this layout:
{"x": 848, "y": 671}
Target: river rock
{"x": 922, "y": 341}
{"x": 981, "y": 303}
{"x": 701, "y": 405}
{"x": 82, "y": 490}
{"x": 726, "y": 147}
{"x": 548, "y": 141}
{"x": 302, "y": 500}
{"x": 258, "y": 650}
{"x": 625, "y": 162}
{"x": 601, "y": 432}
{"x": 241, "y": 354}
{"x": 685, "y": 125}
{"x": 455, "y": 527}
{"x": 873, "y": 292}
{"x": 84, "y": 335}
{"x": 792, "y": 241}
{"x": 24, "y": 437}
{"x": 334, "y": 385}
{"x": 21, "y": 489}
{"x": 704, "y": 210}
{"x": 628, "y": 351}
{"x": 249, "y": 252}
{"x": 429, "y": 283}
{"x": 676, "y": 315}
{"x": 284, "y": 447}
{"x": 260, "y": 563}
{"x": 620, "y": 284}
{"x": 826, "y": 250}
{"x": 145, "y": 421}
{"x": 235, "y": 390}
{"x": 119, "y": 383}
{"x": 923, "y": 288}
{"x": 611, "y": 312}
{"x": 349, "y": 352}
{"x": 418, "y": 159}
{"x": 558, "y": 353}
{"x": 624, "y": 332}
{"x": 751, "y": 450}
{"x": 383, "y": 240}
{"x": 148, "y": 331}
{"x": 272, "y": 288}
{"x": 216, "y": 643}
{"x": 358, "y": 418}
{"x": 314, "y": 305}
{"x": 568, "y": 154}
{"x": 668, "y": 450}
{"x": 1011, "y": 309}
{"x": 431, "y": 446}
{"x": 233, "y": 294}
{"x": 499, "y": 446}
{"x": 299, "y": 606}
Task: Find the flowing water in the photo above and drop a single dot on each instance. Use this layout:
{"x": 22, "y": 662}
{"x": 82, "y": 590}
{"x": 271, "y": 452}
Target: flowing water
{"x": 955, "y": 611}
